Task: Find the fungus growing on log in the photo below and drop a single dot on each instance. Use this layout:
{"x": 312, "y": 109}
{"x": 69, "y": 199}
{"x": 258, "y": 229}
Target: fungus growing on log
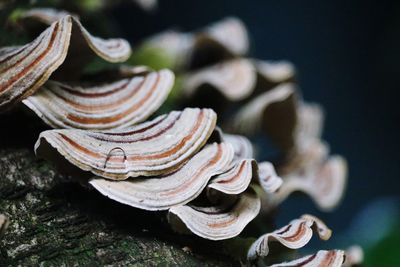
{"x": 218, "y": 222}
{"x": 109, "y": 106}
{"x": 155, "y": 147}
{"x": 24, "y": 69}
{"x": 208, "y": 182}
{"x": 166, "y": 191}
{"x": 294, "y": 235}
{"x": 323, "y": 258}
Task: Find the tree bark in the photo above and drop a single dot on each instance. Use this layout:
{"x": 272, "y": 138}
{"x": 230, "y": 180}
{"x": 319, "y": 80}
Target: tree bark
{"x": 57, "y": 222}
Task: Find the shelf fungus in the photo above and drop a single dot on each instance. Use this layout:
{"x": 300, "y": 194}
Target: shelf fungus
{"x": 274, "y": 112}
{"x": 354, "y": 256}
{"x": 323, "y": 258}
{"x": 217, "y": 222}
{"x": 294, "y": 236}
{"x": 116, "y": 105}
{"x": 225, "y": 39}
{"x": 166, "y": 191}
{"x": 155, "y": 147}
{"x": 237, "y": 179}
{"x": 324, "y": 183}
{"x": 269, "y": 181}
{"x": 241, "y": 145}
{"x": 231, "y": 33}
{"x": 24, "y": 69}
{"x": 234, "y": 79}
{"x": 275, "y": 71}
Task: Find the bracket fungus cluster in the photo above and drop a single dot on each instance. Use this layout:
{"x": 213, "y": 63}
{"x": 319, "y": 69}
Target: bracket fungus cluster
{"x": 24, "y": 69}
{"x": 209, "y": 182}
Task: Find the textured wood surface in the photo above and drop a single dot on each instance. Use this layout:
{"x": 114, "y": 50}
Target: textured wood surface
{"x": 56, "y": 222}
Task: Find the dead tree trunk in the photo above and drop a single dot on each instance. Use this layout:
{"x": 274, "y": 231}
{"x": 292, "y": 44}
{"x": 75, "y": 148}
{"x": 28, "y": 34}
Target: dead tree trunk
{"x": 56, "y": 222}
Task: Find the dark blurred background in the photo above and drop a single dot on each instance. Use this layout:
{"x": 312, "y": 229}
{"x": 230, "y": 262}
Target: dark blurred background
{"x": 347, "y": 56}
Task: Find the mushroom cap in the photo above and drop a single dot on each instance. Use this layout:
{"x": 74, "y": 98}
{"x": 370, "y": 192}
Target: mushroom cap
{"x": 25, "y": 69}
{"x": 151, "y": 148}
{"x": 120, "y": 104}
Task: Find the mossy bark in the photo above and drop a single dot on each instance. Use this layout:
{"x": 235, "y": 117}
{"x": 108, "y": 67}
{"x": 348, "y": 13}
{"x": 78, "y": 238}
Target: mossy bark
{"x": 57, "y": 222}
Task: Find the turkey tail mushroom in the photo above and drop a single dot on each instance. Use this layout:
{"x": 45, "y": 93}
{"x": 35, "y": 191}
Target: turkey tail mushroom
{"x": 116, "y": 105}
{"x": 275, "y": 72}
{"x": 323, "y": 258}
{"x": 222, "y": 40}
{"x": 237, "y": 179}
{"x": 167, "y": 191}
{"x": 24, "y": 69}
{"x": 241, "y": 145}
{"x": 354, "y": 256}
{"x": 234, "y": 79}
{"x": 325, "y": 183}
{"x": 155, "y": 147}
{"x": 274, "y": 112}
{"x": 217, "y": 222}
{"x": 269, "y": 181}
{"x": 231, "y": 33}
{"x": 294, "y": 236}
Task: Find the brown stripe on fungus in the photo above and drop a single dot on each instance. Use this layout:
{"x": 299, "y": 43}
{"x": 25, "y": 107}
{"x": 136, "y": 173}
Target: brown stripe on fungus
{"x": 324, "y": 182}
{"x": 294, "y": 236}
{"x": 221, "y": 223}
{"x": 157, "y": 150}
{"x": 323, "y": 258}
{"x": 237, "y": 179}
{"x": 25, "y": 69}
{"x": 177, "y": 188}
{"x": 117, "y": 105}
{"x": 269, "y": 181}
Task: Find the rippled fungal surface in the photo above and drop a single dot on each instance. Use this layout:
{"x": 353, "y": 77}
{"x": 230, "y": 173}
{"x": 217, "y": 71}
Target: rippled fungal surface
{"x": 324, "y": 183}
{"x": 241, "y": 145}
{"x": 151, "y": 148}
{"x": 277, "y": 104}
{"x": 210, "y": 181}
{"x": 24, "y": 69}
{"x": 223, "y": 39}
{"x": 268, "y": 179}
{"x": 294, "y": 235}
{"x": 237, "y": 179}
{"x": 217, "y": 222}
{"x": 166, "y": 191}
{"x": 108, "y": 106}
{"x": 323, "y": 258}
{"x": 235, "y": 79}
